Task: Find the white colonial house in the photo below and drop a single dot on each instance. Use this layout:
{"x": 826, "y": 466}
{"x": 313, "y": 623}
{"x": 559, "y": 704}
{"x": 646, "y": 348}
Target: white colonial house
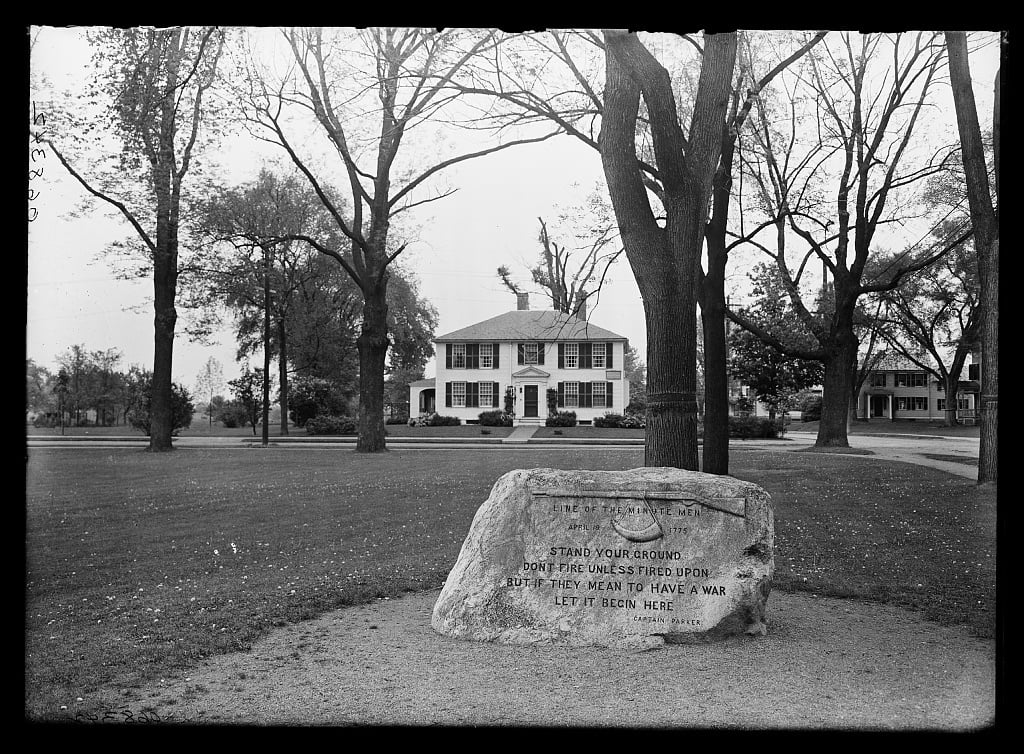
{"x": 899, "y": 389}
{"x": 525, "y": 354}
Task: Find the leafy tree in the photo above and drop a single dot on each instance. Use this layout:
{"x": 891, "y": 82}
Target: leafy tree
{"x": 774, "y": 377}
{"x": 209, "y": 383}
{"x": 412, "y": 321}
{"x": 38, "y": 388}
{"x": 260, "y": 277}
{"x": 247, "y": 390}
{"x": 155, "y": 82}
{"x": 635, "y": 370}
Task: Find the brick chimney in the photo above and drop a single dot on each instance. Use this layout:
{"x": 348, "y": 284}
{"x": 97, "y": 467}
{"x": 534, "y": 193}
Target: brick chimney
{"x": 522, "y": 302}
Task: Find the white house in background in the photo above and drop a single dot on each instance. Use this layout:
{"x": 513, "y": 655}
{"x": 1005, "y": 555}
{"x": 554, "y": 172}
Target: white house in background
{"x": 899, "y": 389}
{"x": 525, "y": 353}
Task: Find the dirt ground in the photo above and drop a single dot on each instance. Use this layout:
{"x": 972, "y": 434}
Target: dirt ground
{"x": 825, "y": 664}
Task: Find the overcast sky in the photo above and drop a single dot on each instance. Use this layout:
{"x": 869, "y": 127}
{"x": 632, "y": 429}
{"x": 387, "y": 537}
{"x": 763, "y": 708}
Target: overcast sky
{"x": 74, "y": 297}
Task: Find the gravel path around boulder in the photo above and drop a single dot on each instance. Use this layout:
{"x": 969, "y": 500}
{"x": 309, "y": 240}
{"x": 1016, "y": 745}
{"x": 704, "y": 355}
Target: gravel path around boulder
{"x": 825, "y": 664}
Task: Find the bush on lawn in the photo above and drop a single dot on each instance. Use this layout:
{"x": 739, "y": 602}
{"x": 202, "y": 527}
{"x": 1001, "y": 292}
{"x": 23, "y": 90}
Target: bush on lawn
{"x": 397, "y": 419}
{"x": 233, "y": 414}
{"x": 748, "y": 427}
{"x": 561, "y": 419}
{"x": 314, "y": 396}
{"x": 181, "y": 408}
{"x": 620, "y": 421}
{"x": 495, "y": 418}
{"x": 331, "y": 425}
{"x": 434, "y": 420}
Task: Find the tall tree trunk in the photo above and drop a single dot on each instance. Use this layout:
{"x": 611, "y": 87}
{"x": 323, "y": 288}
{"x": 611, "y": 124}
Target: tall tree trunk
{"x": 282, "y": 371}
{"x": 712, "y": 298}
{"x": 373, "y": 348}
{"x": 665, "y": 262}
{"x": 165, "y": 270}
{"x": 833, "y": 429}
{"x": 161, "y": 416}
{"x": 671, "y": 433}
{"x": 716, "y": 380}
{"x": 988, "y": 459}
{"x": 986, "y": 240}
{"x": 951, "y": 384}
{"x": 266, "y": 348}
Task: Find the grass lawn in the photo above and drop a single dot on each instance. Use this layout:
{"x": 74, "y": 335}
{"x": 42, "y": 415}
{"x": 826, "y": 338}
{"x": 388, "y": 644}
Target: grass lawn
{"x": 139, "y": 565}
{"x": 202, "y": 429}
{"x": 592, "y": 432}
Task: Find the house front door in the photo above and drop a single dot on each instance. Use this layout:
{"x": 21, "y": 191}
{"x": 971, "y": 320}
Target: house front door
{"x": 878, "y": 405}
{"x": 529, "y": 400}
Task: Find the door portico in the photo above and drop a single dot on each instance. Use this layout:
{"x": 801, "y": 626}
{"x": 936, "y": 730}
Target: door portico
{"x": 530, "y": 387}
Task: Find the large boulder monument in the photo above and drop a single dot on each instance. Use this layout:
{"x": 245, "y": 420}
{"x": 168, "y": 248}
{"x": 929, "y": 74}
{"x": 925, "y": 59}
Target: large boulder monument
{"x": 627, "y": 559}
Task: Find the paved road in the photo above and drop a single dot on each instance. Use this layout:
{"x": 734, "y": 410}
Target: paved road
{"x": 911, "y": 449}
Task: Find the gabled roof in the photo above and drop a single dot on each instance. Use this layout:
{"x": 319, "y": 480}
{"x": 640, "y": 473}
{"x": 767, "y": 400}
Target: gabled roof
{"x": 897, "y": 363}
{"x": 531, "y": 325}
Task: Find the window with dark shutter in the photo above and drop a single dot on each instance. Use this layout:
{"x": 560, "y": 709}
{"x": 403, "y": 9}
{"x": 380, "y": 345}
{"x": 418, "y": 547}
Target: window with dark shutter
{"x": 448, "y": 355}
{"x": 586, "y": 395}
{"x": 585, "y": 352}
{"x": 561, "y": 395}
{"x": 495, "y": 348}
{"x": 448, "y": 394}
{"x": 608, "y": 394}
{"x": 472, "y": 356}
{"x": 608, "y": 358}
{"x": 494, "y": 389}
{"x": 540, "y": 354}
{"x": 521, "y": 350}
{"x": 472, "y": 395}
{"x": 561, "y": 358}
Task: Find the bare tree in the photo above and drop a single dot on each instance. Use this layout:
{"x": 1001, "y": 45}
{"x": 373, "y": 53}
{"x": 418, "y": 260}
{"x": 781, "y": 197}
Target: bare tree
{"x": 985, "y": 220}
{"x": 711, "y": 293}
{"x": 572, "y": 271}
{"x": 366, "y": 90}
{"x": 552, "y": 76}
{"x": 859, "y": 152}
